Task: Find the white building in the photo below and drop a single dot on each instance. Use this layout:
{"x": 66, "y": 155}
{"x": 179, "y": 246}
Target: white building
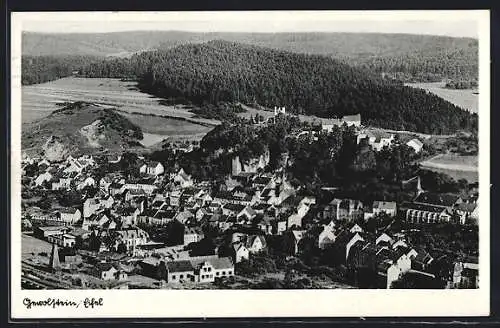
{"x": 153, "y": 168}
{"x": 377, "y": 139}
{"x": 416, "y": 144}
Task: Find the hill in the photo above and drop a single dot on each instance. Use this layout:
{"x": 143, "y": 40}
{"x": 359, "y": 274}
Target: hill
{"x": 420, "y": 57}
{"x": 221, "y": 71}
{"x": 78, "y": 127}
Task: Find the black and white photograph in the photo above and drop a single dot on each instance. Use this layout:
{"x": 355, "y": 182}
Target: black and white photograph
{"x": 318, "y": 152}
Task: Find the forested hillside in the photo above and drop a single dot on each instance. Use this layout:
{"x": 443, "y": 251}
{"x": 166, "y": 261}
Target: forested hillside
{"x": 308, "y": 84}
{"x": 420, "y": 57}
{"x": 39, "y": 69}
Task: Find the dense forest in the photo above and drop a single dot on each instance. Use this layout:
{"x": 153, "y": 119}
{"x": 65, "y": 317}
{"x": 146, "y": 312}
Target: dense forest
{"x": 416, "y": 58}
{"x": 40, "y": 69}
{"x": 306, "y": 84}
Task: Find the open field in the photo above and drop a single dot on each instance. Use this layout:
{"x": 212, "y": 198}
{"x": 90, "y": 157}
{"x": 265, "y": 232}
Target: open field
{"x": 174, "y": 122}
{"x": 30, "y": 244}
{"x": 457, "y": 166}
{"x": 465, "y": 99}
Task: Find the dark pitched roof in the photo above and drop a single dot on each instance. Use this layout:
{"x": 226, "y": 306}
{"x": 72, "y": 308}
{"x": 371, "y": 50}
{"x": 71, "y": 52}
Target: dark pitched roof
{"x": 179, "y": 266}
{"x": 234, "y": 207}
{"x": 262, "y": 180}
{"x": 193, "y": 230}
{"x": 466, "y": 207}
{"x": 436, "y": 199}
{"x": 106, "y": 266}
{"x": 423, "y": 207}
{"x": 251, "y": 240}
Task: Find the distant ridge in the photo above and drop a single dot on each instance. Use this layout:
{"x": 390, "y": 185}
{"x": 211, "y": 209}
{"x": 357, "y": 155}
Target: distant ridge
{"x": 448, "y": 56}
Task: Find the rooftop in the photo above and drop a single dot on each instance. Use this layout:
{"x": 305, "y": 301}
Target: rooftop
{"x": 179, "y": 266}
{"x": 445, "y": 200}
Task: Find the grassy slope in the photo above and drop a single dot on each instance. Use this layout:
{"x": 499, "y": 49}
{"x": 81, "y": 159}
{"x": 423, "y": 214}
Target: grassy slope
{"x": 65, "y": 124}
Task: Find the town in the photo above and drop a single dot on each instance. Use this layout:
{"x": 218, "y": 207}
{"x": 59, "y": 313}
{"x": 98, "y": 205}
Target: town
{"x": 126, "y": 220}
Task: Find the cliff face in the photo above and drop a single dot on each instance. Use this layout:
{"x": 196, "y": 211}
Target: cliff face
{"x": 252, "y": 166}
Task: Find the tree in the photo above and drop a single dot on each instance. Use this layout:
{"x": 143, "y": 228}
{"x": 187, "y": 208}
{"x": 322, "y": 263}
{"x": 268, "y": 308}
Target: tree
{"x": 94, "y": 242}
{"x": 122, "y": 248}
{"x": 31, "y": 170}
{"x": 404, "y": 282}
{"x": 45, "y": 203}
{"x": 69, "y": 198}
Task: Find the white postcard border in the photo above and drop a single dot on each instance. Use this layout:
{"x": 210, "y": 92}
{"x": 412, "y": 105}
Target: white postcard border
{"x": 256, "y": 303}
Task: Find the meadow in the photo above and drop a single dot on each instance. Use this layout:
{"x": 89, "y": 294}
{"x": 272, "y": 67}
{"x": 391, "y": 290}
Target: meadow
{"x": 465, "y": 99}
{"x": 457, "y": 166}
{"x": 174, "y": 122}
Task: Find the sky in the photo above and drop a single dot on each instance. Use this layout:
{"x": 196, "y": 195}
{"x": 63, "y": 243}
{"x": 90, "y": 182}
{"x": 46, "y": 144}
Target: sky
{"x": 449, "y": 23}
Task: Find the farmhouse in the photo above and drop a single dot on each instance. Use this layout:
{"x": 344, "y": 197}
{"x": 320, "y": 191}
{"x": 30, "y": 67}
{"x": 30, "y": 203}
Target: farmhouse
{"x": 179, "y": 271}
{"x": 378, "y": 207}
{"x": 153, "y": 168}
{"x": 68, "y": 215}
{"x": 377, "y": 139}
{"x": 416, "y": 144}
{"x": 192, "y": 235}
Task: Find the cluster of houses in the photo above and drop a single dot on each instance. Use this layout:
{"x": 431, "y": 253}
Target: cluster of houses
{"x": 388, "y": 257}
{"x": 266, "y": 202}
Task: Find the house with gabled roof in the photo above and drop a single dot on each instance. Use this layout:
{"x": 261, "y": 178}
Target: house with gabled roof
{"x": 105, "y": 271}
{"x": 208, "y": 268}
{"x": 377, "y": 139}
{"x": 86, "y": 182}
{"x": 152, "y": 168}
{"x": 232, "y": 209}
{"x": 246, "y": 214}
{"x": 179, "y": 271}
{"x": 422, "y": 260}
{"x": 389, "y": 208}
{"x": 295, "y": 219}
{"x": 356, "y": 237}
{"x": 68, "y": 215}
{"x": 192, "y": 235}
{"x": 75, "y": 165}
{"x": 91, "y": 206}
{"x": 182, "y": 179}
{"x": 416, "y": 145}
{"x": 131, "y": 237}
{"x": 327, "y": 237}
{"x": 184, "y": 216}
{"x": 201, "y": 212}
{"x": 467, "y": 211}
{"x": 240, "y": 252}
{"x": 265, "y": 223}
{"x": 256, "y": 243}
{"x": 384, "y": 238}
{"x": 42, "y": 178}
